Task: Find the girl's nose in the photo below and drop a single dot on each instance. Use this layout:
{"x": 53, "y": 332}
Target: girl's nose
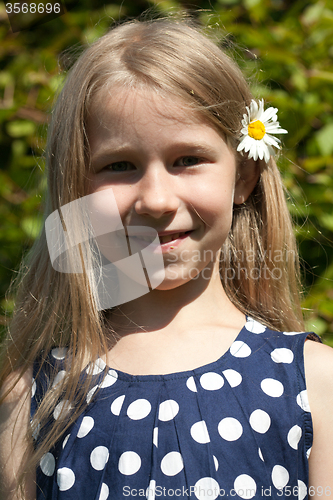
{"x": 156, "y": 193}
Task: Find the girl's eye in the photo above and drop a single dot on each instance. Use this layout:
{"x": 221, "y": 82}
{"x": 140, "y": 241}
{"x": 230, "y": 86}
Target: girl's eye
{"x": 119, "y": 166}
{"x": 188, "y": 161}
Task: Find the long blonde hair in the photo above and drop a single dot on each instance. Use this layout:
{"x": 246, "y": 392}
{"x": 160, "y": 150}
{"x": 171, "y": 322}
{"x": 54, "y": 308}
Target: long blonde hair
{"x": 57, "y": 309}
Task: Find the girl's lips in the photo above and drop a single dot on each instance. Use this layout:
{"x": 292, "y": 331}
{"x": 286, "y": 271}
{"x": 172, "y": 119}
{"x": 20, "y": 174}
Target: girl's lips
{"x": 171, "y": 241}
{"x": 167, "y": 241}
{"x": 166, "y": 238}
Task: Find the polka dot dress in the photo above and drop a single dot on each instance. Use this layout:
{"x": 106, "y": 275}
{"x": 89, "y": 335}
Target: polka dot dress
{"x": 238, "y": 427}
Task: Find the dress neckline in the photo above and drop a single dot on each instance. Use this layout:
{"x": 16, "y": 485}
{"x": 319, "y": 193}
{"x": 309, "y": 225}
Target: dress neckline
{"x": 176, "y": 375}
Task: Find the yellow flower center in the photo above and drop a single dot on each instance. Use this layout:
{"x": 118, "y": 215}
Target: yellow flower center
{"x": 256, "y": 130}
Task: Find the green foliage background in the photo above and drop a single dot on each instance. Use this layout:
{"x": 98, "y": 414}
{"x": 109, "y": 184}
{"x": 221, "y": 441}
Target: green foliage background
{"x": 285, "y": 48}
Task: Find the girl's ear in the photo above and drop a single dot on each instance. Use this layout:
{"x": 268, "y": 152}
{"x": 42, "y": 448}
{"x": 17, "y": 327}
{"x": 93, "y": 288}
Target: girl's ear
{"x": 248, "y": 173}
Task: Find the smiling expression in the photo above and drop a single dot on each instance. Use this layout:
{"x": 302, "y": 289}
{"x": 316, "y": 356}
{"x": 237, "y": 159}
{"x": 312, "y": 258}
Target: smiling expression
{"x": 169, "y": 169}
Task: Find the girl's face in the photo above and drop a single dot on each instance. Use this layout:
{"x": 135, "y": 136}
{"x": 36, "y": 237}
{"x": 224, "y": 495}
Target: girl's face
{"x": 169, "y": 170}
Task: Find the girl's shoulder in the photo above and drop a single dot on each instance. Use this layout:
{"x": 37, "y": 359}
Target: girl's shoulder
{"x": 318, "y": 360}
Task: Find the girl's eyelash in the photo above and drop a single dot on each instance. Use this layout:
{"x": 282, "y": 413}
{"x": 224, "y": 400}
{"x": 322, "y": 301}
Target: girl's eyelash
{"x": 122, "y": 165}
{"x": 196, "y": 158}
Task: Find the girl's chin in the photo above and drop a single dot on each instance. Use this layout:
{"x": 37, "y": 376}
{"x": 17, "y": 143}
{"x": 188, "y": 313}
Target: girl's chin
{"x": 176, "y": 279}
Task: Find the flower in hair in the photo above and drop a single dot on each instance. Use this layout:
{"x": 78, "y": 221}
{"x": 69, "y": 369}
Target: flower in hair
{"x": 258, "y": 125}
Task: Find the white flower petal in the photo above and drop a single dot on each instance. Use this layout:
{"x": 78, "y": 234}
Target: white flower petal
{"x": 260, "y": 152}
{"x": 253, "y": 109}
{"x": 272, "y": 128}
{"x": 272, "y": 141}
{"x": 245, "y": 144}
{"x": 260, "y": 113}
{"x": 267, "y": 154}
{"x": 270, "y": 114}
{"x": 253, "y": 151}
{"x": 245, "y": 123}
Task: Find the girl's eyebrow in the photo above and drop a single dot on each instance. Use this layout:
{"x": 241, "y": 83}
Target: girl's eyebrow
{"x": 184, "y": 147}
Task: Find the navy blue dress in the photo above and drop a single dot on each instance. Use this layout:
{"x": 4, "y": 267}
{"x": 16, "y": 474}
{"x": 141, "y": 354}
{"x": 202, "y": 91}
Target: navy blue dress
{"x": 238, "y": 427}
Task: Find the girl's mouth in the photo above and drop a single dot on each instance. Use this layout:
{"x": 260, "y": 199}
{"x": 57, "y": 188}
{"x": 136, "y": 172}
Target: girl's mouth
{"x": 167, "y": 242}
{"x": 173, "y": 237}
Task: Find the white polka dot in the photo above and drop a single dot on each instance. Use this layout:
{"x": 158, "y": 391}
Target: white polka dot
{"x": 240, "y": 350}
{"x": 155, "y": 436}
{"x": 104, "y": 494}
{"x": 98, "y": 457}
{"x": 96, "y": 368}
{"x": 199, "y": 432}
{"x": 294, "y": 435}
{"x": 302, "y": 400}
{"x": 65, "y": 478}
{"x": 129, "y": 463}
{"x": 191, "y": 384}
{"x": 302, "y": 490}
{"x": 272, "y": 387}
{"x": 211, "y": 381}
{"x": 47, "y": 464}
{"x": 59, "y": 352}
{"x": 245, "y": 486}
{"x": 234, "y": 378}
{"x": 216, "y": 463}
{"x": 86, "y": 425}
{"x": 292, "y": 333}
{"x": 59, "y": 377}
{"x": 254, "y": 326}
{"x": 280, "y": 477}
{"x": 139, "y": 409}
{"x": 206, "y": 488}
{"x": 308, "y": 453}
{"x": 91, "y": 393}
{"x": 62, "y": 409}
{"x": 65, "y": 441}
{"x": 260, "y": 421}
{"x": 109, "y": 379}
{"x": 33, "y": 388}
{"x": 172, "y": 463}
{"x": 168, "y": 410}
{"x": 230, "y": 429}
{"x": 151, "y": 490}
{"x": 260, "y": 454}
{"x": 117, "y": 404}
{"x": 282, "y": 355}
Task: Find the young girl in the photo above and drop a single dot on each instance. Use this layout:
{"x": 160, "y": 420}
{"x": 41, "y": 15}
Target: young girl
{"x": 187, "y": 380}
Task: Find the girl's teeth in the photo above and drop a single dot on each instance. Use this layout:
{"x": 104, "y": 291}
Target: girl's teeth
{"x": 166, "y": 239}
{"x": 170, "y": 237}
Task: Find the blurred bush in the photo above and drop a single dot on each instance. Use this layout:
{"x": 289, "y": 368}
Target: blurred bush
{"x": 285, "y": 47}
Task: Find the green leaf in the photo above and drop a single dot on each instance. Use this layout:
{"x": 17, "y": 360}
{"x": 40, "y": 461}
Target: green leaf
{"x": 31, "y": 226}
{"x": 317, "y": 325}
{"x": 20, "y": 128}
{"x": 324, "y": 139}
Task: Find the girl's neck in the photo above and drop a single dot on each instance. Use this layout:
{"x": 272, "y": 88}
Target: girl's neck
{"x": 171, "y": 331}
{"x": 199, "y": 302}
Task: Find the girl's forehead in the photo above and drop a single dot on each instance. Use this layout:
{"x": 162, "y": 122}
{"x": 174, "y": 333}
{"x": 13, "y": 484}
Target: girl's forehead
{"x": 130, "y": 103}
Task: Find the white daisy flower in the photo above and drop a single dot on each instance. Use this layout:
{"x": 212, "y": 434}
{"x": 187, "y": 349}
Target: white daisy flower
{"x": 258, "y": 125}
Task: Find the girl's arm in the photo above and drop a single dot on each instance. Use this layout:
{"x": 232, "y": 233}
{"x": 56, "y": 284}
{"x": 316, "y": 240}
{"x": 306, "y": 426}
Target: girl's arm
{"x": 319, "y": 379}
{"x": 14, "y": 456}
